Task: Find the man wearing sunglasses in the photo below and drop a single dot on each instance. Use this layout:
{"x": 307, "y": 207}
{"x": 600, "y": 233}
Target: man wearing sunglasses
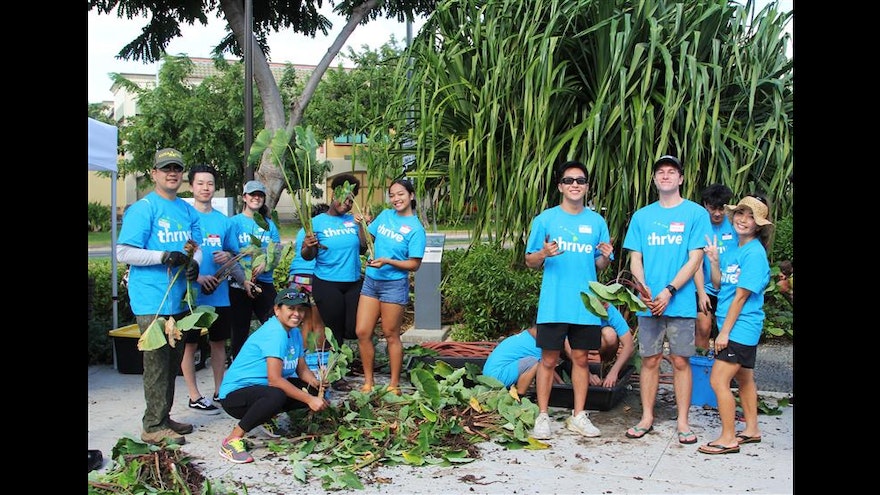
{"x": 153, "y": 242}
{"x": 571, "y": 243}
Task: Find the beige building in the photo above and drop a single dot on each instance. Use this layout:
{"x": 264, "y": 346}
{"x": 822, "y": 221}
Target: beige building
{"x": 124, "y": 104}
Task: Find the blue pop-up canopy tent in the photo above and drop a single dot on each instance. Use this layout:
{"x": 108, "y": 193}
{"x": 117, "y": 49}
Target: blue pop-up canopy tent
{"x": 103, "y": 141}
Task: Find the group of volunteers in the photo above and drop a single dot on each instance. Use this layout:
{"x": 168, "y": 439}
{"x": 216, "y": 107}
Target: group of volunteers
{"x": 697, "y": 264}
{"x": 268, "y": 373}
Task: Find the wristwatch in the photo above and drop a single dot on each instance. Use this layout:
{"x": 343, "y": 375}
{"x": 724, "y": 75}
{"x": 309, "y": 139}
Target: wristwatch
{"x": 671, "y": 288}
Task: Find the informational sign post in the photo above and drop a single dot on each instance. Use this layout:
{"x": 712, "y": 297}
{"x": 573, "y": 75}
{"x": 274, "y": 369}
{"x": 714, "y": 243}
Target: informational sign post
{"x": 427, "y": 293}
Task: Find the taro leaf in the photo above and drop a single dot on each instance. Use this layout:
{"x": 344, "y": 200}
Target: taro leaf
{"x": 425, "y": 383}
{"x": 594, "y": 305}
{"x": 613, "y": 288}
{"x": 427, "y": 412}
{"x": 351, "y": 480}
{"x": 458, "y": 457}
{"x": 154, "y": 337}
{"x": 633, "y": 303}
{"x": 442, "y": 368}
{"x": 535, "y": 444}
{"x": 277, "y": 141}
{"x": 202, "y": 317}
{"x": 300, "y": 470}
{"x": 413, "y": 459}
{"x": 132, "y": 446}
{"x": 260, "y": 221}
{"x": 489, "y": 381}
{"x": 255, "y": 241}
{"x": 602, "y": 292}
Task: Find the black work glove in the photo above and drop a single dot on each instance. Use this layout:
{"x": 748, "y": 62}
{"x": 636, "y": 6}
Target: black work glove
{"x": 175, "y": 258}
{"x": 192, "y": 271}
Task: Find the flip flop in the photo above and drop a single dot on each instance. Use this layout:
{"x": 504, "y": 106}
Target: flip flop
{"x": 639, "y": 431}
{"x": 712, "y": 449}
{"x": 684, "y": 435}
{"x": 742, "y": 438}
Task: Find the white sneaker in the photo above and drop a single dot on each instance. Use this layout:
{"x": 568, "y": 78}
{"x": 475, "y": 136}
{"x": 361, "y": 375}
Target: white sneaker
{"x": 542, "y": 427}
{"x": 581, "y": 424}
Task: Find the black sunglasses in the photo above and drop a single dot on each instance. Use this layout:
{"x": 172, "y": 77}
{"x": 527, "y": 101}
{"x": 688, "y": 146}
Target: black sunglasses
{"x": 171, "y": 168}
{"x": 571, "y": 180}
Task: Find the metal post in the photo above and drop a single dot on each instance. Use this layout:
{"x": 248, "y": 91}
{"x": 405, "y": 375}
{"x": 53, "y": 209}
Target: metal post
{"x": 248, "y": 86}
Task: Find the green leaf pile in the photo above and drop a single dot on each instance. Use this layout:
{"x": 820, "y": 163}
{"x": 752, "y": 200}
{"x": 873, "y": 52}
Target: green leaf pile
{"x": 438, "y": 421}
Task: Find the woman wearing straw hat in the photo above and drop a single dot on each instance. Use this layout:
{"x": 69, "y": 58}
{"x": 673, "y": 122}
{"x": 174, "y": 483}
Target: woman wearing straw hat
{"x": 741, "y": 274}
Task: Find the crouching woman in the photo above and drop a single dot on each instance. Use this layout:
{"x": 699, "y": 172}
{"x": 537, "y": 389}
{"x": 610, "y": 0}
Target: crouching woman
{"x": 269, "y": 375}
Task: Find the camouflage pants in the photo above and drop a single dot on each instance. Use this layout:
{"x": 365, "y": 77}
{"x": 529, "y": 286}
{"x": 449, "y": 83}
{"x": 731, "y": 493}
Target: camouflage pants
{"x": 160, "y": 373}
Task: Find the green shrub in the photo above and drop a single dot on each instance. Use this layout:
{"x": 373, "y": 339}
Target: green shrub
{"x": 491, "y": 294}
{"x": 783, "y": 240}
{"x": 778, "y": 314}
{"x": 99, "y": 217}
{"x": 101, "y": 308}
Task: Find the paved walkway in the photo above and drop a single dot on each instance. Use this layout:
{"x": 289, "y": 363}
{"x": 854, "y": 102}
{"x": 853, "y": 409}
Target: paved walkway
{"x": 610, "y": 464}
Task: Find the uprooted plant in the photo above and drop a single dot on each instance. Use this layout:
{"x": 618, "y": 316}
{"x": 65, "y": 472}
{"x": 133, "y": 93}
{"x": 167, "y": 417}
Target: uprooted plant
{"x": 199, "y": 317}
{"x": 437, "y": 422}
{"x": 617, "y": 292}
{"x": 305, "y": 164}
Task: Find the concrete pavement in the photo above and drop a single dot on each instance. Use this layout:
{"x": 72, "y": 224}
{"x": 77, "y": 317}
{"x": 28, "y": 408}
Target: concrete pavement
{"x": 610, "y": 463}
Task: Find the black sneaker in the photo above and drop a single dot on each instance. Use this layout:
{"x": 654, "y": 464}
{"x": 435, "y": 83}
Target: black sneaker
{"x": 204, "y": 406}
{"x": 96, "y": 459}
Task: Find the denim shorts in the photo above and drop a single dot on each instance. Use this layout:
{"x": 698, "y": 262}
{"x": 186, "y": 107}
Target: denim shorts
{"x": 387, "y": 291}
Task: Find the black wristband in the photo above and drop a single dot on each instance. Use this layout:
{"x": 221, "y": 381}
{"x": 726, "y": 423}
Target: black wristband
{"x": 671, "y": 288}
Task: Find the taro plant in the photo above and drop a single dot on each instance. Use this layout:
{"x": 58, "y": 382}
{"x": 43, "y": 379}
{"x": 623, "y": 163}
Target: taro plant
{"x": 615, "y": 292}
{"x": 344, "y": 192}
{"x": 199, "y": 317}
{"x": 305, "y": 162}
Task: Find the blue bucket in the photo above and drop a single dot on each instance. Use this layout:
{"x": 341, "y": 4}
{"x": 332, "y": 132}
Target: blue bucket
{"x": 702, "y": 393}
{"x": 314, "y": 359}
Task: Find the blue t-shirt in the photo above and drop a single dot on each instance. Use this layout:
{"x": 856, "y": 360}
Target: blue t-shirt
{"x": 568, "y": 274}
{"x": 158, "y": 224}
{"x": 300, "y": 265}
{"x": 249, "y": 366}
{"x": 745, "y": 266}
{"x": 218, "y": 235}
{"x": 726, "y": 237}
{"x": 398, "y": 238}
{"x": 665, "y": 236}
{"x": 341, "y": 260}
{"x": 503, "y": 362}
{"x": 246, "y": 226}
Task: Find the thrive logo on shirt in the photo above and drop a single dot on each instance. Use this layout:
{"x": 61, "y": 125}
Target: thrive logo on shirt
{"x": 731, "y": 274}
{"x": 386, "y": 232}
{"x": 574, "y": 246}
{"x": 344, "y": 231}
{"x": 166, "y": 235}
